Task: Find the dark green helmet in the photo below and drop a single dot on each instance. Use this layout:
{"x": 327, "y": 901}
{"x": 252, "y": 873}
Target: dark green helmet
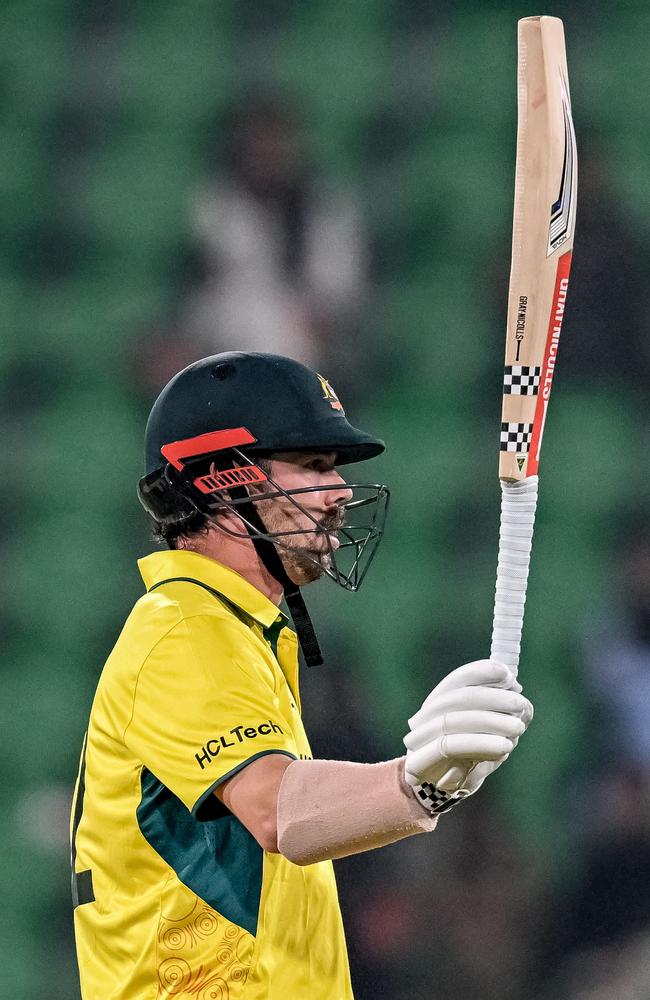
{"x": 215, "y": 417}
{"x": 281, "y": 403}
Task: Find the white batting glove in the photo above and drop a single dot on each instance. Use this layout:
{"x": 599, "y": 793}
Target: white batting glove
{"x": 466, "y": 728}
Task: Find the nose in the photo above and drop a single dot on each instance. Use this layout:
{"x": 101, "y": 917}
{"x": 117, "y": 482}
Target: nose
{"x": 339, "y": 493}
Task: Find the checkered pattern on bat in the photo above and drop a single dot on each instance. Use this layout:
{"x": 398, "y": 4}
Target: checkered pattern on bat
{"x": 521, "y": 380}
{"x": 516, "y": 437}
{"x": 437, "y": 801}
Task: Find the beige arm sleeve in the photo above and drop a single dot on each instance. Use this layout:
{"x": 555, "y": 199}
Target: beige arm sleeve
{"x": 332, "y": 808}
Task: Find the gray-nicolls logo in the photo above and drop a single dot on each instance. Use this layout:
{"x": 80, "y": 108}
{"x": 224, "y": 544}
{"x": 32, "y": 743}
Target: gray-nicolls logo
{"x": 521, "y": 322}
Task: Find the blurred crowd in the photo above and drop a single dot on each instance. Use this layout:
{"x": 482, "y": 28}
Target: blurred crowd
{"x": 282, "y": 253}
{"x": 277, "y": 259}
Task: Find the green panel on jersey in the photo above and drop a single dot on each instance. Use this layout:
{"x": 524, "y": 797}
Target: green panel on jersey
{"x": 217, "y": 858}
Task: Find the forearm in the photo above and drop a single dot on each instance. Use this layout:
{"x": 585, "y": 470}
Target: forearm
{"x": 330, "y": 809}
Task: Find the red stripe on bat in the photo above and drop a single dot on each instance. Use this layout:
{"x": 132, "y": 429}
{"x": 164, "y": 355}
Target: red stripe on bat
{"x": 206, "y": 443}
{"x": 550, "y": 355}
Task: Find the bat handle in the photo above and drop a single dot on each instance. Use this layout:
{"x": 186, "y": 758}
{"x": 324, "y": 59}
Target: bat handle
{"x": 518, "y": 503}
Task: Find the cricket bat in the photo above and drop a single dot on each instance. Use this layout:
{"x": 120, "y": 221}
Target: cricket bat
{"x": 546, "y": 186}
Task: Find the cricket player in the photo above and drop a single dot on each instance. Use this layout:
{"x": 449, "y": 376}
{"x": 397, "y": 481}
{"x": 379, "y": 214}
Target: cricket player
{"x": 202, "y": 831}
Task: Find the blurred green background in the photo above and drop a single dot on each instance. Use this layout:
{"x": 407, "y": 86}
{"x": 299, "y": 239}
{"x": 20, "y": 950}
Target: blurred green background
{"x": 112, "y": 116}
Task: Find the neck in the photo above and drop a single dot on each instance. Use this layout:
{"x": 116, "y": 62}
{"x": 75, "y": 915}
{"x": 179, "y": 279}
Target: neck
{"x": 237, "y": 553}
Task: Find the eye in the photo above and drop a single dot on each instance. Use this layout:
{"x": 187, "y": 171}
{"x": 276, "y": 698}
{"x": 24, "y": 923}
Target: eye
{"x": 320, "y": 463}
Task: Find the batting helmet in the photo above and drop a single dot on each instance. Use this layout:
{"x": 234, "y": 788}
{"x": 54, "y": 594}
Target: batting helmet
{"x": 207, "y": 427}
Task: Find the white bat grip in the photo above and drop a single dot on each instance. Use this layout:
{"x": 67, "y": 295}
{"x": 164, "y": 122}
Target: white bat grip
{"x": 518, "y": 503}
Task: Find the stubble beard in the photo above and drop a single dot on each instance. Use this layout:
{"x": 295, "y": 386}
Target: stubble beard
{"x": 304, "y": 557}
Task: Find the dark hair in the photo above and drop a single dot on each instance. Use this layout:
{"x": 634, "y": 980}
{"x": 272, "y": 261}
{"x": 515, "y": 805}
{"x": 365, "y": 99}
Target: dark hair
{"x": 195, "y": 524}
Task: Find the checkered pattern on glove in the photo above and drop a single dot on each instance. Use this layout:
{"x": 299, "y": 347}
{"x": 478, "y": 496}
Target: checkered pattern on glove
{"x": 435, "y": 801}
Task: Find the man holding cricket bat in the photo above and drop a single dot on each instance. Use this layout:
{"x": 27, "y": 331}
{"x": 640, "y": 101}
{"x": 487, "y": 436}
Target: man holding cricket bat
{"x": 203, "y": 830}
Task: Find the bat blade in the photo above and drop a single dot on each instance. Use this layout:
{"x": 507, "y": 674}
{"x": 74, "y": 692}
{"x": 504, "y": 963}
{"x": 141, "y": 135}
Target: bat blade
{"x": 546, "y": 186}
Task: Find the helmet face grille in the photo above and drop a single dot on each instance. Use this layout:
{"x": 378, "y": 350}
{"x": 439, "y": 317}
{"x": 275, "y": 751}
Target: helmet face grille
{"x": 343, "y": 553}
{"x": 342, "y": 544}
{"x": 358, "y": 540}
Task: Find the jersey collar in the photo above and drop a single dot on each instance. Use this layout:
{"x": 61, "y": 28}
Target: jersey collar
{"x": 164, "y": 565}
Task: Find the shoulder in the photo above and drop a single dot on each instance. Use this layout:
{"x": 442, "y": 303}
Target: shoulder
{"x": 178, "y": 626}
{"x": 165, "y": 659}
{"x": 184, "y": 614}
{"x": 193, "y": 633}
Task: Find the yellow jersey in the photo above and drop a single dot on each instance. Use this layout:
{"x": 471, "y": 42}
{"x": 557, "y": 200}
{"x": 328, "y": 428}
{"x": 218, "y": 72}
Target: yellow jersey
{"x": 173, "y": 897}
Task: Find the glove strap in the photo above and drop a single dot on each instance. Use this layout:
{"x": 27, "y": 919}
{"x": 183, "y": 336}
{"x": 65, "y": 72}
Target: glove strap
{"x": 435, "y": 801}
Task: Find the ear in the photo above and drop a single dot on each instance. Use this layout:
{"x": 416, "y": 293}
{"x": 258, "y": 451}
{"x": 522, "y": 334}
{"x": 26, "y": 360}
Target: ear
{"x": 230, "y": 520}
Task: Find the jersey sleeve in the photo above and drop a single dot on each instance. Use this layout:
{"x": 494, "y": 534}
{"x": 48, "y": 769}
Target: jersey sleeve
{"x": 204, "y": 707}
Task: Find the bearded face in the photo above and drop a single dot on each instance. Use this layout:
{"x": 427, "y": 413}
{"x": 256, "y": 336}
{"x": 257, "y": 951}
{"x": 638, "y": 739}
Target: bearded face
{"x": 307, "y": 511}
{"x": 306, "y": 554}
